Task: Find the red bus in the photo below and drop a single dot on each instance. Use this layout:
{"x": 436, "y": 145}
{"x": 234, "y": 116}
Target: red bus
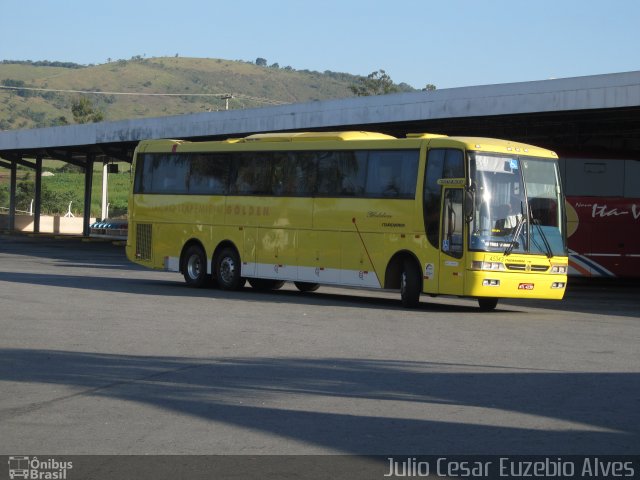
{"x": 603, "y": 216}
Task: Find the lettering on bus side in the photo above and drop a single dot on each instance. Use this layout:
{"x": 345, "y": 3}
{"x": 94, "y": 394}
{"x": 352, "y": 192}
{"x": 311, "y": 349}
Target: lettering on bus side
{"x": 248, "y": 210}
{"x": 373, "y": 214}
{"x": 189, "y": 209}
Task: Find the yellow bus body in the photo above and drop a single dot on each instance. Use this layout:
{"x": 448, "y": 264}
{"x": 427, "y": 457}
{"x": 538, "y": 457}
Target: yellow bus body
{"x": 355, "y": 242}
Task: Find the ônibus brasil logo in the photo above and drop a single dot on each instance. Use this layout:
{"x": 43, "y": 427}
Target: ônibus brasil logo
{"x": 33, "y": 468}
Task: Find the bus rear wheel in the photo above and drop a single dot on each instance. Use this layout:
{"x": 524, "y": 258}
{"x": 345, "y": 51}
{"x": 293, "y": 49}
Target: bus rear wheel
{"x": 228, "y": 269}
{"x": 410, "y": 284}
{"x": 306, "y": 286}
{"x": 264, "y": 284}
{"x": 194, "y": 268}
{"x": 487, "y": 304}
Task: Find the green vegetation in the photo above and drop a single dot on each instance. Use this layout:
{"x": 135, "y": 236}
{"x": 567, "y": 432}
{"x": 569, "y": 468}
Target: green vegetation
{"x": 67, "y": 186}
{"x": 85, "y": 112}
{"x": 376, "y": 83}
{"x": 250, "y": 84}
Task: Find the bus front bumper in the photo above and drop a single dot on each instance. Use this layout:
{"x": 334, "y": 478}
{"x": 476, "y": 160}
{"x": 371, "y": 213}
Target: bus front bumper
{"x": 500, "y": 284}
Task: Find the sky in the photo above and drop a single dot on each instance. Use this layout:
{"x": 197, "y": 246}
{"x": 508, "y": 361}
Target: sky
{"x": 450, "y": 43}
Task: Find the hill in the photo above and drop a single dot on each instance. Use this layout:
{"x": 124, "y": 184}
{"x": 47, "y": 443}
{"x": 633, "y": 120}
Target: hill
{"x": 250, "y": 85}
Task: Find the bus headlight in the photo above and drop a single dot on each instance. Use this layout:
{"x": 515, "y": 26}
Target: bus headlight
{"x": 559, "y": 269}
{"x": 492, "y": 266}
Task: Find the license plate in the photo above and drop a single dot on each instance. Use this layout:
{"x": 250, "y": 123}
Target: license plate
{"x": 525, "y": 286}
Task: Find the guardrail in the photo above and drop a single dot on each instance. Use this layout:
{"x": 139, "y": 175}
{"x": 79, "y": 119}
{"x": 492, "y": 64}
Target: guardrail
{"x": 17, "y": 211}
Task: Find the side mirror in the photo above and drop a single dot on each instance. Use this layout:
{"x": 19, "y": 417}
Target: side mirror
{"x": 469, "y": 203}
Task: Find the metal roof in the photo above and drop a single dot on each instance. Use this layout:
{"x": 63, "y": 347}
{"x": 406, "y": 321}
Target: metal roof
{"x": 596, "y": 93}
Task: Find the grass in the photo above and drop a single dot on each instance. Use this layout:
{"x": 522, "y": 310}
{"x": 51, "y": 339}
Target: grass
{"x": 118, "y": 191}
{"x": 63, "y": 188}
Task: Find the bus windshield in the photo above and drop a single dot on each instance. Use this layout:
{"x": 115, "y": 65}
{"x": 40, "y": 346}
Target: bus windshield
{"x": 517, "y": 205}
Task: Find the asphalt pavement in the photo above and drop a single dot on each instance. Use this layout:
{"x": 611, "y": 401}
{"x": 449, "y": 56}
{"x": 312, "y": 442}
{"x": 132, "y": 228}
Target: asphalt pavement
{"x": 99, "y": 356}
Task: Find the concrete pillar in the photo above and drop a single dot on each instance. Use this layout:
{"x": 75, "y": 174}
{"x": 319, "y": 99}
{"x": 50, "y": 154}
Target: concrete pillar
{"x": 88, "y": 184}
{"x": 38, "y": 195}
{"x": 105, "y": 189}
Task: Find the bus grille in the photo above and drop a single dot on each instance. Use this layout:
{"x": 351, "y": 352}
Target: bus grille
{"x": 539, "y": 268}
{"x": 143, "y": 241}
{"x": 516, "y": 266}
{"x": 523, "y": 268}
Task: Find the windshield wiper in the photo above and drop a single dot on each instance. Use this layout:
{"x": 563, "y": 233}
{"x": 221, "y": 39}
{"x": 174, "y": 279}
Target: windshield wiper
{"x": 547, "y": 245}
{"x": 516, "y": 234}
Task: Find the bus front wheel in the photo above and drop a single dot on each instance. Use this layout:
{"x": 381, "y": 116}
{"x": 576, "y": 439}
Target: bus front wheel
{"x": 306, "y": 286}
{"x": 194, "y": 268}
{"x": 487, "y": 303}
{"x": 228, "y": 269}
{"x": 410, "y": 284}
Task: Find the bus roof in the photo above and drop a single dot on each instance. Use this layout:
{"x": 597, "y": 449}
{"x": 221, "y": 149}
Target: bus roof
{"x": 315, "y": 136}
{"x": 494, "y": 145}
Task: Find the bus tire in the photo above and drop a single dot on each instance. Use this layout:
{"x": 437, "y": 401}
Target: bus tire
{"x": 265, "y": 284}
{"x": 487, "y": 304}
{"x": 410, "y": 284}
{"x": 194, "y": 268}
{"x": 228, "y": 269}
{"x": 306, "y": 286}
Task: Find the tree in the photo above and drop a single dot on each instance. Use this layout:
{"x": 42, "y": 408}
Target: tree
{"x": 429, "y": 87}
{"x": 19, "y": 86}
{"x": 85, "y": 112}
{"x": 59, "y": 121}
{"x": 261, "y": 62}
{"x": 4, "y": 195}
{"x": 376, "y": 83}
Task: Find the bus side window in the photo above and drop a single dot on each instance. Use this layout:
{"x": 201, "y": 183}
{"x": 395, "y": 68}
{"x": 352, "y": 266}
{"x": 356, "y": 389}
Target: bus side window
{"x": 281, "y": 180}
{"x": 341, "y": 174}
{"x": 209, "y": 174}
{"x": 252, "y": 174}
{"x": 352, "y": 173}
{"x": 305, "y": 173}
{"x": 327, "y": 173}
{"x": 392, "y": 173}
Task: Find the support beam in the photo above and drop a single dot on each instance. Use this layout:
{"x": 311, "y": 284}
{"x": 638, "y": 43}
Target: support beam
{"x": 88, "y": 184}
{"x": 63, "y": 156}
{"x": 24, "y": 163}
{"x": 123, "y": 154}
{"x": 38, "y": 195}
{"x": 18, "y": 159}
{"x": 5, "y": 165}
{"x": 12, "y": 197}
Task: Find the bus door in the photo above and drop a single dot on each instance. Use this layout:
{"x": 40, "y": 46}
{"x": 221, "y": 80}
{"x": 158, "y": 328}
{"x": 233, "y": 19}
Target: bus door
{"x": 451, "y": 276}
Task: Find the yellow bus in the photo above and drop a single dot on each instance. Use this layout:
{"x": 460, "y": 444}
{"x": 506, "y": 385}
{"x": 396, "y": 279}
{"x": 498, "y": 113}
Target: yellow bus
{"x": 463, "y": 216}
